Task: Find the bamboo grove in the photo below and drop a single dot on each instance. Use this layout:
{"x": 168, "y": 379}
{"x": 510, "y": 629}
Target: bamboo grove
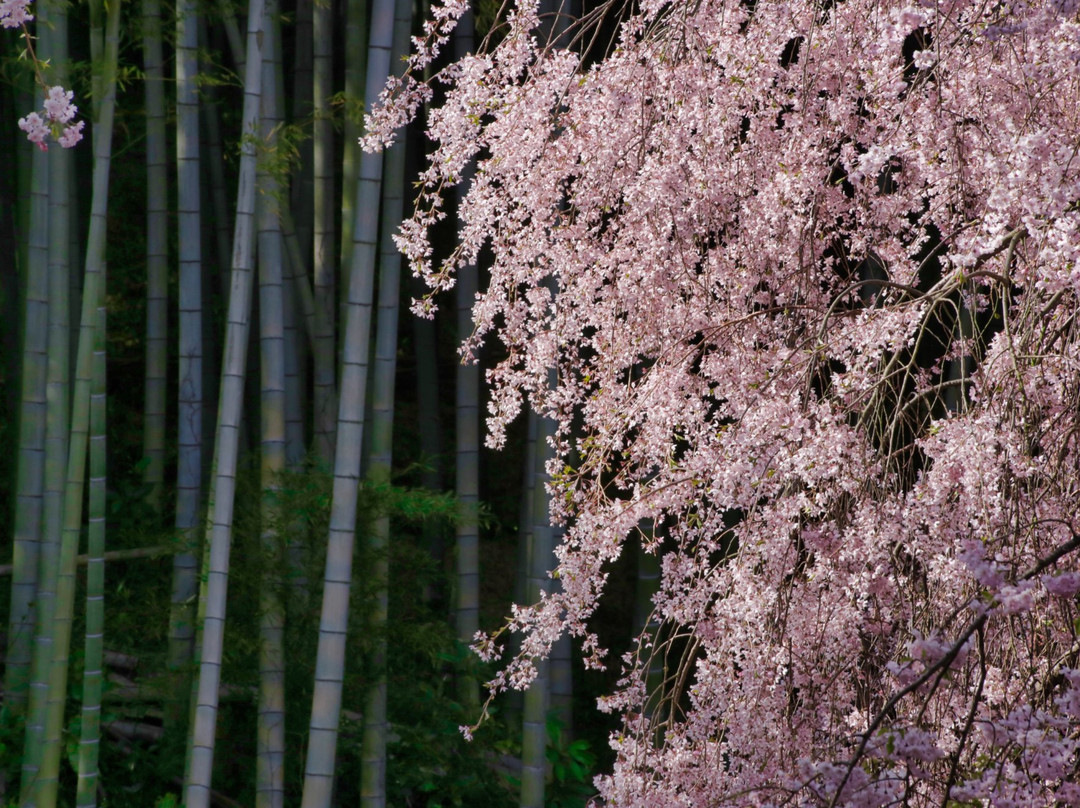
{"x": 244, "y": 352}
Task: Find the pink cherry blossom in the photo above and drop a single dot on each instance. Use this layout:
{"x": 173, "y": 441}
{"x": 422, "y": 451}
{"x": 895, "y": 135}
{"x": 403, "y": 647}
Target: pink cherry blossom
{"x": 808, "y": 277}
{"x": 58, "y": 111}
{"x": 37, "y": 130}
{"x": 15, "y": 13}
{"x": 71, "y": 134}
{"x": 54, "y": 121}
{"x": 58, "y": 106}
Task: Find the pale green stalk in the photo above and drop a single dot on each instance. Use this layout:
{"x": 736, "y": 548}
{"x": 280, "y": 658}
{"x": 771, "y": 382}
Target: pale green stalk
{"x": 52, "y": 29}
{"x": 468, "y": 443}
{"x": 236, "y": 45}
{"x": 75, "y": 279}
{"x": 301, "y": 184}
{"x": 330, "y": 658}
{"x": 47, "y": 781}
{"x": 270, "y": 731}
{"x": 201, "y": 740}
{"x": 296, "y": 358}
{"x": 30, "y": 219}
{"x": 31, "y": 462}
{"x": 90, "y": 737}
{"x": 295, "y": 370}
{"x": 376, "y": 727}
{"x": 200, "y": 618}
{"x": 324, "y": 271}
{"x": 356, "y": 36}
{"x": 189, "y": 459}
{"x": 315, "y": 327}
{"x": 157, "y": 268}
{"x": 537, "y": 697}
{"x": 295, "y": 440}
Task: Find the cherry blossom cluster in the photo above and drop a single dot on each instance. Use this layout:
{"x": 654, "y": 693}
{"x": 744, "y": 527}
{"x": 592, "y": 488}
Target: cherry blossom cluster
{"x": 56, "y": 119}
{"x": 809, "y": 277}
{"x": 15, "y": 13}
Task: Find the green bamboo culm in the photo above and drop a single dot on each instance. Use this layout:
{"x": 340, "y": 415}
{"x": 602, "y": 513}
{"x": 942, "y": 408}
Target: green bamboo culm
{"x": 333, "y": 623}
{"x": 538, "y": 697}
{"x": 323, "y": 254}
{"x": 467, "y": 454}
{"x": 270, "y": 733}
{"x": 157, "y": 268}
{"x": 52, "y": 40}
{"x": 201, "y": 739}
{"x": 190, "y": 367}
{"x": 31, "y": 460}
{"x": 376, "y": 727}
{"x": 47, "y": 783}
{"x": 357, "y": 24}
{"x": 90, "y": 738}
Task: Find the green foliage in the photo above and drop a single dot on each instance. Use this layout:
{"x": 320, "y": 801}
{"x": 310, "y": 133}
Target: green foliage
{"x": 12, "y": 729}
{"x": 429, "y": 763}
{"x": 573, "y": 766}
{"x": 350, "y": 107}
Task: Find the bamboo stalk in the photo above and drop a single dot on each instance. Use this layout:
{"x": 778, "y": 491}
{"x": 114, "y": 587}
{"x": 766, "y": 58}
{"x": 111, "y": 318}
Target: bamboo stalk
{"x": 270, "y": 733}
{"x": 376, "y": 727}
{"x": 112, "y": 555}
{"x": 94, "y": 655}
{"x": 190, "y": 404}
{"x": 330, "y": 659}
{"x": 47, "y": 781}
{"x": 467, "y": 455}
{"x": 157, "y": 270}
{"x": 202, "y": 737}
{"x": 52, "y": 45}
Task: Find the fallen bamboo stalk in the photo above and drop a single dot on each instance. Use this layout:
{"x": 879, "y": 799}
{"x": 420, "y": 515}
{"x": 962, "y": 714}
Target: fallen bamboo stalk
{"x": 113, "y": 555}
{"x": 134, "y": 730}
{"x": 121, "y": 661}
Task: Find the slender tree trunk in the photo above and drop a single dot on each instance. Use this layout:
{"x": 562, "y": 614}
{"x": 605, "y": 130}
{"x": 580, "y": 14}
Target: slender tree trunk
{"x": 31, "y": 462}
{"x": 538, "y": 696}
{"x": 295, "y": 370}
{"x": 201, "y": 741}
{"x": 324, "y": 273}
{"x": 376, "y": 728}
{"x": 189, "y": 464}
{"x": 90, "y": 736}
{"x": 107, "y": 42}
{"x": 315, "y": 327}
{"x": 52, "y": 45}
{"x": 355, "y": 53}
{"x": 270, "y": 748}
{"x": 157, "y": 299}
{"x": 301, "y": 93}
{"x": 468, "y": 443}
{"x": 330, "y": 659}
{"x": 295, "y": 439}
